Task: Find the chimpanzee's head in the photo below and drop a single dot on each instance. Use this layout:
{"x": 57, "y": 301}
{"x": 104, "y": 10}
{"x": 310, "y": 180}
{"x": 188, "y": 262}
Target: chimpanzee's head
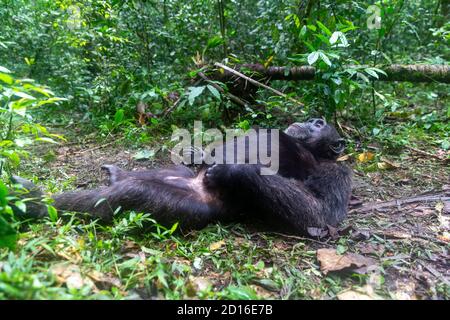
{"x": 318, "y": 137}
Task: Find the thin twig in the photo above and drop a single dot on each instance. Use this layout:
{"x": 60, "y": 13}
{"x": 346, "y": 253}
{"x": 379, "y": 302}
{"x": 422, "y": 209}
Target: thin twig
{"x": 169, "y": 110}
{"x": 399, "y": 202}
{"x": 176, "y": 103}
{"x": 232, "y": 97}
{"x": 298, "y": 238}
{"x": 427, "y": 154}
{"x": 99, "y": 147}
{"x": 257, "y": 83}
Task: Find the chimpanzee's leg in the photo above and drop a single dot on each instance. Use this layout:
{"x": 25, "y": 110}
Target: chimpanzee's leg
{"x": 167, "y": 197}
{"x": 116, "y": 174}
{"x": 168, "y": 202}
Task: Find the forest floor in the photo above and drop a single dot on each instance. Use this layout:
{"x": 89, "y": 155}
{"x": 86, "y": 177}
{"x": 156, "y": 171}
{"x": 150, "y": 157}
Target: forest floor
{"x": 398, "y": 251}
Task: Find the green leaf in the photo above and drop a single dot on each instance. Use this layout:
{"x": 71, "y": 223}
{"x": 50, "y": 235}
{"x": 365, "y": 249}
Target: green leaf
{"x": 340, "y": 249}
{"x": 379, "y": 95}
{"x": 118, "y": 117}
{"x": 323, "y": 28}
{"x": 8, "y": 235}
{"x": 194, "y": 93}
{"x": 337, "y": 81}
{"x": 241, "y": 293}
{"x": 52, "y": 213}
{"x": 379, "y": 71}
{"x": 3, "y": 194}
{"x": 22, "y": 142}
{"x": 12, "y": 156}
{"x": 51, "y": 100}
{"x": 4, "y": 70}
{"x": 144, "y": 155}
{"x": 371, "y": 72}
{"x": 23, "y": 95}
{"x": 344, "y": 40}
{"x": 6, "y": 78}
{"x": 322, "y": 38}
{"x": 312, "y": 57}
{"x": 214, "y": 92}
{"x": 445, "y": 144}
{"x": 362, "y": 77}
{"x": 21, "y": 206}
{"x": 162, "y": 277}
{"x": 174, "y": 227}
{"x": 302, "y": 32}
{"x": 334, "y": 37}
{"x": 46, "y": 139}
{"x": 19, "y": 108}
{"x": 214, "y": 42}
{"x": 309, "y": 45}
{"x": 325, "y": 58}
{"x": 43, "y": 91}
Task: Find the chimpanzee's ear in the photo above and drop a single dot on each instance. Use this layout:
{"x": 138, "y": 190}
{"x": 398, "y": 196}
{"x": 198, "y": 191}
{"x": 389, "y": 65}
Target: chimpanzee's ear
{"x": 338, "y": 146}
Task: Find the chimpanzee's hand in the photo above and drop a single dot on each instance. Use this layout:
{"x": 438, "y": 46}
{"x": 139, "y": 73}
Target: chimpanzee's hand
{"x": 218, "y": 175}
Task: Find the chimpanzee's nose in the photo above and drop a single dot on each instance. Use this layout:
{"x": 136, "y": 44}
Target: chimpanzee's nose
{"x": 319, "y": 123}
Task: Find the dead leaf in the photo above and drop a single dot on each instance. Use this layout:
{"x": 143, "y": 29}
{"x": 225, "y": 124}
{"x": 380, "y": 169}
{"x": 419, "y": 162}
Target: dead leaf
{"x": 384, "y": 166}
{"x": 104, "y": 281}
{"x": 317, "y": 232}
{"x": 363, "y": 293}
{"x": 261, "y": 292}
{"x": 334, "y": 234}
{"x": 444, "y": 237}
{"x": 70, "y": 275}
{"x": 360, "y": 235}
{"x": 331, "y": 261}
{"x": 365, "y": 157}
{"x": 405, "y": 290}
{"x": 421, "y": 211}
{"x": 370, "y": 248}
{"x": 446, "y": 209}
{"x": 345, "y": 157}
{"x": 129, "y": 245}
{"x": 216, "y": 245}
{"x": 387, "y": 164}
{"x": 70, "y": 253}
{"x": 395, "y": 234}
{"x": 197, "y": 284}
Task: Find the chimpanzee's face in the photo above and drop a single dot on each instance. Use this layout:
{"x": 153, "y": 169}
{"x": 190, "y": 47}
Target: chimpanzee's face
{"x": 319, "y": 137}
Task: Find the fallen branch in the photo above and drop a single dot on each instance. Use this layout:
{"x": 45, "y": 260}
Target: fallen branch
{"x": 256, "y": 83}
{"x": 395, "y": 72}
{"x": 427, "y": 154}
{"x": 399, "y": 202}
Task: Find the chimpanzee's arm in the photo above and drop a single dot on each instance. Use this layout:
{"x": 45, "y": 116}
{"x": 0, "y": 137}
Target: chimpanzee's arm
{"x": 320, "y": 200}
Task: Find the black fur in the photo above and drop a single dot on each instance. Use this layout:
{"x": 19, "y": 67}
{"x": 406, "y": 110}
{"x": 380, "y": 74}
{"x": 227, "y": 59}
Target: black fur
{"x": 309, "y": 190}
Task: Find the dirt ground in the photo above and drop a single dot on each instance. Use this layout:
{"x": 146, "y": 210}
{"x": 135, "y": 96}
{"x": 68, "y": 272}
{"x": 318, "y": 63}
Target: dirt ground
{"x": 408, "y": 239}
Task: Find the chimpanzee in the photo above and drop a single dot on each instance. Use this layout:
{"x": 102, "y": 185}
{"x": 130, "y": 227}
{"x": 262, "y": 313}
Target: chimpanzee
{"x": 310, "y": 188}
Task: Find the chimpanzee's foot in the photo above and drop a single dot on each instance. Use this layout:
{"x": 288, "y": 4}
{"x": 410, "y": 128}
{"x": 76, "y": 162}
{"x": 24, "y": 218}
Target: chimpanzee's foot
{"x": 218, "y": 174}
{"x": 114, "y": 173}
